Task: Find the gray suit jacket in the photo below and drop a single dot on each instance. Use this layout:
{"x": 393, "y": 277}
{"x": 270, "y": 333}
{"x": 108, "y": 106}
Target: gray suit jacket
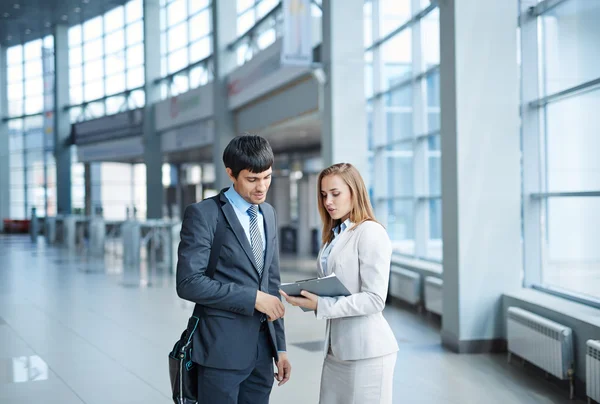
{"x": 227, "y": 335}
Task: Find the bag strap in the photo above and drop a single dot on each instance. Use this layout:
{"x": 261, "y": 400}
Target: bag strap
{"x": 215, "y": 249}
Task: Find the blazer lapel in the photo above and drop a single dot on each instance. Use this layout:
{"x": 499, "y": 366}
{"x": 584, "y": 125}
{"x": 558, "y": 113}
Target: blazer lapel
{"x": 320, "y": 271}
{"x": 340, "y": 243}
{"x": 270, "y": 234}
{"x": 238, "y": 230}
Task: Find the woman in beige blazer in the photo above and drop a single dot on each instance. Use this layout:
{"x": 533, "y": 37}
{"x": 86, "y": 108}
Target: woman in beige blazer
{"x": 360, "y": 347}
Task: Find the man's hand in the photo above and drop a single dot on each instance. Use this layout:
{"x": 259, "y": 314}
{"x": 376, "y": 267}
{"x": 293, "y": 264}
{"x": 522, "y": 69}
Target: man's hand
{"x": 284, "y": 369}
{"x": 270, "y": 305}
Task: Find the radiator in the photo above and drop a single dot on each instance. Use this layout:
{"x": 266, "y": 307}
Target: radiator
{"x": 592, "y": 370}
{"x": 406, "y": 285}
{"x": 544, "y": 343}
{"x": 433, "y": 294}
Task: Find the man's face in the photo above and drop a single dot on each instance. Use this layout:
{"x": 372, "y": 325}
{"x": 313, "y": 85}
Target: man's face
{"x": 251, "y": 186}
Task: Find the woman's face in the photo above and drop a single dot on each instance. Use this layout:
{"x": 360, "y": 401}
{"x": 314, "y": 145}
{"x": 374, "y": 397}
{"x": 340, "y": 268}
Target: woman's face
{"x": 336, "y": 197}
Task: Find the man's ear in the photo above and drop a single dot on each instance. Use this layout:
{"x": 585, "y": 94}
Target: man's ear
{"x": 230, "y": 174}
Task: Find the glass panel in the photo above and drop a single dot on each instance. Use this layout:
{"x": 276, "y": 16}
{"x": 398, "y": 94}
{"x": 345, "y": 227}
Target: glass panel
{"x": 115, "y": 63}
{"x": 570, "y": 254}
{"x": 33, "y": 50}
{"x": 76, "y": 94}
{"x": 34, "y": 105}
{"x": 114, "y": 42}
{"x": 135, "y": 33}
{"x": 393, "y": 13}
{"x": 569, "y": 40}
{"x": 177, "y": 37}
{"x": 243, "y": 5}
{"x": 178, "y": 60}
{"x": 94, "y": 70}
{"x": 14, "y": 55}
{"x": 245, "y": 22}
{"x": 34, "y": 87}
{"x": 266, "y": 38}
{"x": 92, "y": 50}
{"x": 434, "y": 244}
{"x": 114, "y": 104}
{"x": 15, "y": 108}
{"x": 197, "y": 5}
{"x": 115, "y": 84}
{"x": 181, "y": 83}
{"x": 135, "y": 77}
{"x": 196, "y": 77}
{"x": 134, "y": 10}
{"x": 401, "y": 97}
{"x": 396, "y": 57}
{"x": 75, "y": 56}
{"x": 92, "y": 29}
{"x": 199, "y": 25}
{"x": 137, "y": 99}
{"x": 94, "y": 90}
{"x": 400, "y": 226}
{"x": 33, "y": 68}
{"x": 400, "y": 174}
{"x": 75, "y": 35}
{"x": 114, "y": 19}
{"x": 176, "y": 12}
{"x": 399, "y": 126}
{"x": 200, "y": 50}
{"x": 15, "y": 74}
{"x": 430, "y": 29}
{"x": 15, "y": 91}
{"x": 264, "y": 6}
{"x": 135, "y": 56}
{"x": 572, "y": 142}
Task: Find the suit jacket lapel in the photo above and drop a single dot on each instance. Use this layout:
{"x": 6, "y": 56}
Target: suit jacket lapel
{"x": 238, "y": 230}
{"x": 340, "y": 243}
{"x": 270, "y": 234}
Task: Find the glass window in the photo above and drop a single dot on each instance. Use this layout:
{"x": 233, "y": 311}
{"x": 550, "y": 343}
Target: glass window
{"x": 115, "y": 84}
{"x": 200, "y": 50}
{"x": 572, "y": 142}
{"x": 135, "y": 33}
{"x": 93, "y": 50}
{"x": 176, "y": 12}
{"x": 14, "y": 55}
{"x": 134, "y": 10}
{"x": 197, "y": 5}
{"x": 135, "y": 56}
{"x": 430, "y": 31}
{"x": 394, "y": 13}
{"x": 135, "y": 77}
{"x": 92, "y": 29}
{"x": 199, "y": 26}
{"x": 177, "y": 37}
{"x": 114, "y": 19}
{"x": 114, "y": 42}
{"x": 33, "y": 50}
{"x": 397, "y": 58}
{"x": 569, "y": 53}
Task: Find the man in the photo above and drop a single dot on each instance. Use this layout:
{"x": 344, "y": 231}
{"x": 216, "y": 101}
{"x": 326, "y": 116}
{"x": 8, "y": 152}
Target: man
{"x": 241, "y": 325}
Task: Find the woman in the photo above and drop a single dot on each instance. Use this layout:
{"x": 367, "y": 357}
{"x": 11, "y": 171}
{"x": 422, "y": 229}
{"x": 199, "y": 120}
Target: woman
{"x": 360, "y": 347}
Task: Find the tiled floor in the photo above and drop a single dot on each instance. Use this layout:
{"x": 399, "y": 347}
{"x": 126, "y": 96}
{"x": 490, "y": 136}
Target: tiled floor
{"x": 73, "y": 331}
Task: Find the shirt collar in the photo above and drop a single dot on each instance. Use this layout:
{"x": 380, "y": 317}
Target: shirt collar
{"x": 236, "y": 200}
{"x": 343, "y": 226}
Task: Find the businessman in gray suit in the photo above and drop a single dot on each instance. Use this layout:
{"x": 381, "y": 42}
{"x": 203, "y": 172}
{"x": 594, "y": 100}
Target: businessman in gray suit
{"x": 241, "y": 330}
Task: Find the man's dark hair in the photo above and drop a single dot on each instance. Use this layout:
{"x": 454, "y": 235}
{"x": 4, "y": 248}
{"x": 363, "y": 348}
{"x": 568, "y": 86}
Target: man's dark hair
{"x": 248, "y": 152}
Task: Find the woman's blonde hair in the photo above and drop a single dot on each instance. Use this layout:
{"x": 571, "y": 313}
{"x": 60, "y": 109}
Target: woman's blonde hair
{"x": 362, "y": 210}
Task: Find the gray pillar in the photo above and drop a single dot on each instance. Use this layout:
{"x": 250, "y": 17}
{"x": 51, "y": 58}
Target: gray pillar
{"x": 344, "y": 136}
{"x": 281, "y": 198}
{"x": 4, "y": 153}
{"x": 481, "y": 184}
{"x": 152, "y": 150}
{"x": 224, "y": 19}
{"x": 62, "y": 121}
{"x": 304, "y": 202}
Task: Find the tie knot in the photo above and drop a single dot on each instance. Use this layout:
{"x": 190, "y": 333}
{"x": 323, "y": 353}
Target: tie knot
{"x": 253, "y": 211}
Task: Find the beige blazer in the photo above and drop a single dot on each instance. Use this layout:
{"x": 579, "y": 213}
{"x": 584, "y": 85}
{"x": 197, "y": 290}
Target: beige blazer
{"x": 356, "y": 328}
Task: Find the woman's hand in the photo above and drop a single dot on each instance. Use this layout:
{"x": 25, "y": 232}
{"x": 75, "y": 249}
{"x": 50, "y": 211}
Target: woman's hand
{"x": 308, "y": 301}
